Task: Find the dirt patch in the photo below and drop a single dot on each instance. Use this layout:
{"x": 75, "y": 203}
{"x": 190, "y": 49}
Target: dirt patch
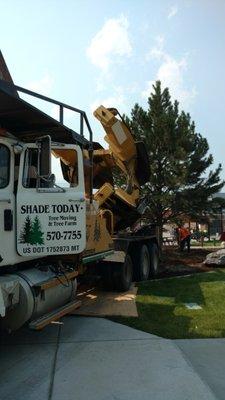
{"x": 175, "y": 262}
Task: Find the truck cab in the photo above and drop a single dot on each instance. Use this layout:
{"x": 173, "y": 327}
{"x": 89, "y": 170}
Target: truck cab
{"x": 42, "y": 202}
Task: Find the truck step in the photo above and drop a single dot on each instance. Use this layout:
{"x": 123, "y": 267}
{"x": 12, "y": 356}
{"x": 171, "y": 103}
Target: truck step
{"x": 41, "y": 322}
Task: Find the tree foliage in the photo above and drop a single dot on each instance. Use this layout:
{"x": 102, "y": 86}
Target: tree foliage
{"x": 37, "y": 234}
{"x": 25, "y": 235}
{"x": 31, "y": 232}
{"x": 179, "y": 158}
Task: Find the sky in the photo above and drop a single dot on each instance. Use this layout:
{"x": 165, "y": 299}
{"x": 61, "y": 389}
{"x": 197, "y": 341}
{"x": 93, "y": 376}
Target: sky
{"x": 87, "y": 53}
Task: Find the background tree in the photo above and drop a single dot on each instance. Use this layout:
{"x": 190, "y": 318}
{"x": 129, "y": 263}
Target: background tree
{"x": 178, "y": 157}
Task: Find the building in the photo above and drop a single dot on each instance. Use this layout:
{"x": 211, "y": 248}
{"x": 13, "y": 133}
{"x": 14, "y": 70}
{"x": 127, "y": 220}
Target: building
{"x": 217, "y": 223}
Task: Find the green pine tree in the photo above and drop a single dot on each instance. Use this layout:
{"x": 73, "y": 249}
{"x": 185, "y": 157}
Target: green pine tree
{"x": 25, "y": 236}
{"x": 178, "y": 158}
{"x": 36, "y": 233}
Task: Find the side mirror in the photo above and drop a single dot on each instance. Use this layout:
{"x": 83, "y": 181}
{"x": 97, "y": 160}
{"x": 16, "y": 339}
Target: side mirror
{"x": 44, "y": 161}
{"x": 44, "y": 157}
{"x": 52, "y": 180}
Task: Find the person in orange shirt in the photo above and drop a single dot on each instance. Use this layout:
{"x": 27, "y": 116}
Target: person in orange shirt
{"x": 184, "y": 236}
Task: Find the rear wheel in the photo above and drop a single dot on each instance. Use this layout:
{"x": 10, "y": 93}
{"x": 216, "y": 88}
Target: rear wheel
{"x": 144, "y": 263}
{"x": 154, "y": 258}
{"x": 123, "y": 274}
{"x": 107, "y": 275}
{"x": 141, "y": 259}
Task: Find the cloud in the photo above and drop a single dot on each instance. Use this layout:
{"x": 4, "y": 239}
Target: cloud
{"x": 171, "y": 73}
{"x": 110, "y": 44}
{"x": 117, "y": 100}
{"x": 42, "y": 85}
{"x": 157, "y": 51}
{"x": 172, "y": 12}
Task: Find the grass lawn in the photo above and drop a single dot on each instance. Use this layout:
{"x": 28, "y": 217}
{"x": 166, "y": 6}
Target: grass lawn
{"x": 209, "y": 243}
{"x": 162, "y": 312}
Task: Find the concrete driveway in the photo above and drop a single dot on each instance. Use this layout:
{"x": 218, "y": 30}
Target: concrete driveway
{"x": 96, "y": 359}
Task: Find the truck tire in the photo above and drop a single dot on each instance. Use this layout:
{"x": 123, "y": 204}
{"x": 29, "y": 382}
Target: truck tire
{"x": 154, "y": 259}
{"x": 123, "y": 275}
{"x": 107, "y": 276}
{"x": 143, "y": 265}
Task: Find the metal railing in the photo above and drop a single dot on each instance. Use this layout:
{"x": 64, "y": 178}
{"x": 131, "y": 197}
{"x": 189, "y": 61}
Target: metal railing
{"x": 62, "y": 106}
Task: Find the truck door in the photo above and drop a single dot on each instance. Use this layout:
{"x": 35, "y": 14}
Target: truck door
{"x": 51, "y": 216}
{"x": 7, "y": 203}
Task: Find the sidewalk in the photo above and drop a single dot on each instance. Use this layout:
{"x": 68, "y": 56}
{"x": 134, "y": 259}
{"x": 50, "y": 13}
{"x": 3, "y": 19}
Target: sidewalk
{"x": 96, "y": 359}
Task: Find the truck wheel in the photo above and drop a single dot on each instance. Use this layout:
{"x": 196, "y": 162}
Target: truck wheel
{"x": 154, "y": 259}
{"x": 107, "y": 275}
{"x": 123, "y": 275}
{"x": 144, "y": 263}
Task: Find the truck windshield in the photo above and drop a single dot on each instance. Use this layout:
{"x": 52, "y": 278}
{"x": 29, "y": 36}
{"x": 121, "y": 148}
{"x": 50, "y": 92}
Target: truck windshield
{"x": 4, "y": 166}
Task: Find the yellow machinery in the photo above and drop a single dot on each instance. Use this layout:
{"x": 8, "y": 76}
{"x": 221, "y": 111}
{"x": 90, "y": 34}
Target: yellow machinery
{"x": 113, "y": 207}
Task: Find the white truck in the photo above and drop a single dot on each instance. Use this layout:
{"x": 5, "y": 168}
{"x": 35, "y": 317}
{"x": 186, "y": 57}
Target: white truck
{"x": 54, "y": 227}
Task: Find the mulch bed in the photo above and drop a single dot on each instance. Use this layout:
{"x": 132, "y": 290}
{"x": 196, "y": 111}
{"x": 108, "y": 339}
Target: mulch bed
{"x": 175, "y": 263}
